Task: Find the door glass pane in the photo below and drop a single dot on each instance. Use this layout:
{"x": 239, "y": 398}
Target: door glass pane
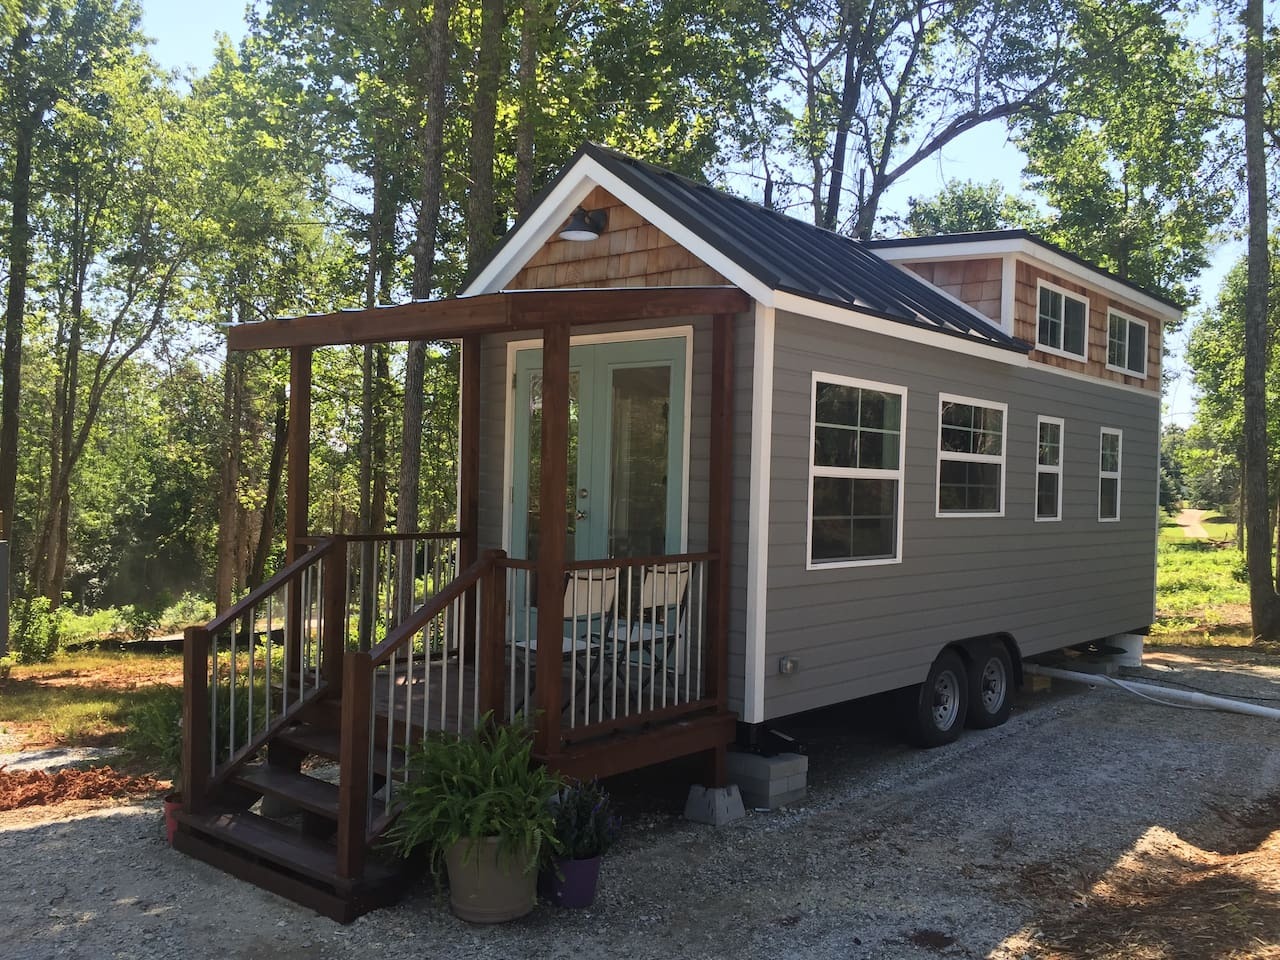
{"x": 639, "y": 461}
{"x": 535, "y": 465}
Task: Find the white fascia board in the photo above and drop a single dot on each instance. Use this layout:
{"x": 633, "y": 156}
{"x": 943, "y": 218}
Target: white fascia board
{"x": 758, "y": 520}
{"x": 1033, "y": 253}
{"x": 582, "y": 178}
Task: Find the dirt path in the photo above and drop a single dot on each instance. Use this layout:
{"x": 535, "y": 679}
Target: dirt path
{"x": 1028, "y": 841}
{"x": 1189, "y": 521}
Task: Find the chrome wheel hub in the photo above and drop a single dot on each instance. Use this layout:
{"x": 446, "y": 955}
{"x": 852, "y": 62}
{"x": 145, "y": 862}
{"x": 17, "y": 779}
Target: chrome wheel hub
{"x": 946, "y": 700}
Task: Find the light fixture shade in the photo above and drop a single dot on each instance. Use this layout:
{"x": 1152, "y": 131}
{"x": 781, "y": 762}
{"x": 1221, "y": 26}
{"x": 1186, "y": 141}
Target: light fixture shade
{"x": 584, "y": 225}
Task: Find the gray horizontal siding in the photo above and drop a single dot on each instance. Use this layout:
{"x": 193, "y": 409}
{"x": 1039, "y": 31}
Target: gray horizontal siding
{"x": 860, "y": 630}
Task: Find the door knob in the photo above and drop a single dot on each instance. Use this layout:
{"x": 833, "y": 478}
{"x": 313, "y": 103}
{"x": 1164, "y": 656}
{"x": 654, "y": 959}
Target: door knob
{"x": 581, "y": 515}
{"x": 583, "y": 493}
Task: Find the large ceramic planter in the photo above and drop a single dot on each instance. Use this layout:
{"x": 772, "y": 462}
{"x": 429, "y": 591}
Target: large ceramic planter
{"x": 172, "y": 804}
{"x": 572, "y": 883}
{"x": 487, "y": 888}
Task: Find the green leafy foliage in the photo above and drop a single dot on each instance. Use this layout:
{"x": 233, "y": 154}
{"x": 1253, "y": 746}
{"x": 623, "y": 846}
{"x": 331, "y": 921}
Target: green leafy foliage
{"x": 469, "y": 788}
{"x": 35, "y": 629}
{"x": 585, "y": 824}
{"x": 153, "y": 733}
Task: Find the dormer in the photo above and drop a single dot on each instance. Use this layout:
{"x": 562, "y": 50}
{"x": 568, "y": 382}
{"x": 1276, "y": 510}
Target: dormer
{"x": 1078, "y": 317}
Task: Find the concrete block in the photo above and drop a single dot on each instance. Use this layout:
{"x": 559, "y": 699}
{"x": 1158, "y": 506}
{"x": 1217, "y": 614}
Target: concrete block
{"x": 716, "y": 806}
{"x": 769, "y": 782}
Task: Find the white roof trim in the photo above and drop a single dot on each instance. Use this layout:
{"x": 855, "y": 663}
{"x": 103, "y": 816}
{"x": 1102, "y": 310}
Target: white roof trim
{"x": 1033, "y": 252}
{"x": 556, "y": 208}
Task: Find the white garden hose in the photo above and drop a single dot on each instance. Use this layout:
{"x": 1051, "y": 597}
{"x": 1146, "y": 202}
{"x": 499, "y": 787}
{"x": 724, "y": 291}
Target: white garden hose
{"x": 1157, "y": 694}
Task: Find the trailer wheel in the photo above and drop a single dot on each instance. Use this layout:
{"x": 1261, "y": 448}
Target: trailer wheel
{"x": 990, "y": 687}
{"x": 934, "y": 711}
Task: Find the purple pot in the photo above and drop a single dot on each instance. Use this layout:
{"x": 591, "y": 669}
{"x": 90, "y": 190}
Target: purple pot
{"x": 571, "y": 883}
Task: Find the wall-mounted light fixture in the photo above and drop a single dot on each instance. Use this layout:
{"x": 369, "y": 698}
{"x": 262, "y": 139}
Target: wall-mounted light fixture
{"x": 585, "y": 225}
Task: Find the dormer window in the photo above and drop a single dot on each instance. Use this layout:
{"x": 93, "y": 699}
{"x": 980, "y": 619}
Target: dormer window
{"x": 1126, "y": 345}
{"x": 1063, "y": 322}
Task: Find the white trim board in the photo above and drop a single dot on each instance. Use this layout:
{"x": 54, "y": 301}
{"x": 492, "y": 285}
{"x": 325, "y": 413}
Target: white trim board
{"x": 758, "y": 519}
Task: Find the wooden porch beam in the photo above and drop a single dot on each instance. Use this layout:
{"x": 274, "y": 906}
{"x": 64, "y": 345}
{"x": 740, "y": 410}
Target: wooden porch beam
{"x": 469, "y": 453}
{"x": 487, "y": 313}
{"x": 552, "y": 534}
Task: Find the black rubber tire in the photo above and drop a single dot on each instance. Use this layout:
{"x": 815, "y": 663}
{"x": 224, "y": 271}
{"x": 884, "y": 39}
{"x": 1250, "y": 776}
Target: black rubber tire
{"x": 933, "y": 712}
{"x": 990, "y": 686}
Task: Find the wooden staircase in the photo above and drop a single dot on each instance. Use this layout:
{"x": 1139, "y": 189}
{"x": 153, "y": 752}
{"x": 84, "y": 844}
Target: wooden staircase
{"x": 289, "y": 845}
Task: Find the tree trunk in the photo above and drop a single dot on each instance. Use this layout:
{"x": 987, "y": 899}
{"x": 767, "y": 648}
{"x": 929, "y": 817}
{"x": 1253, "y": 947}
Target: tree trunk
{"x": 484, "y": 116}
{"x": 1262, "y": 593}
{"x": 527, "y": 78}
{"x": 408, "y": 489}
{"x": 19, "y": 254}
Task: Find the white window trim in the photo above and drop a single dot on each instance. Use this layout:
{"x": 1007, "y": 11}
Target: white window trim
{"x": 1108, "y": 474}
{"x": 1146, "y": 342}
{"x": 855, "y": 472}
{"x": 1043, "y": 468}
{"x": 1058, "y": 351}
{"x": 971, "y": 457}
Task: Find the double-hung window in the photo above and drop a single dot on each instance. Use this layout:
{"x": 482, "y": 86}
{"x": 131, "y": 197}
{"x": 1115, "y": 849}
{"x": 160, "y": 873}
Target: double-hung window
{"x": 1063, "y": 321}
{"x": 1049, "y": 468}
{"x": 855, "y": 472}
{"x": 1109, "y": 474}
{"x": 1126, "y": 345}
{"x": 970, "y": 456}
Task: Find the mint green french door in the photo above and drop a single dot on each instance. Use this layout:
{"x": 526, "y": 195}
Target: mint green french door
{"x": 626, "y": 450}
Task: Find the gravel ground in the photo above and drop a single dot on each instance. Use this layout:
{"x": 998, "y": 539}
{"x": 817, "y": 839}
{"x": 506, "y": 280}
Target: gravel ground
{"x": 897, "y": 853}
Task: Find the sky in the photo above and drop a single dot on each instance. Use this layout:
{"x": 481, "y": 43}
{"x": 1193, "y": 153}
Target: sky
{"x": 183, "y": 33}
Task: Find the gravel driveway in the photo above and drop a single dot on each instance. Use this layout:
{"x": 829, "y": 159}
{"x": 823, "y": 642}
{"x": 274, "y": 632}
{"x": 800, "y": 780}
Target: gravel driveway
{"x": 954, "y": 852}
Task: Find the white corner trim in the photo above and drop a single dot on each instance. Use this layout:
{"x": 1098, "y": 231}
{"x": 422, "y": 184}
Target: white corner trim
{"x": 578, "y": 182}
{"x": 758, "y": 521}
{"x": 1008, "y": 288}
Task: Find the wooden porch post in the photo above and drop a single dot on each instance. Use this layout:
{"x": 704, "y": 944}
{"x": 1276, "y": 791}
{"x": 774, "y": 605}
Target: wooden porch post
{"x": 469, "y": 454}
{"x": 720, "y": 526}
{"x": 551, "y": 534}
{"x": 195, "y": 718}
{"x": 298, "y": 493}
{"x": 299, "y": 490}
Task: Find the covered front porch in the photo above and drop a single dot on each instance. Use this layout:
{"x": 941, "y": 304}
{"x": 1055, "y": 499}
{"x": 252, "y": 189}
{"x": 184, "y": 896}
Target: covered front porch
{"x": 614, "y": 652}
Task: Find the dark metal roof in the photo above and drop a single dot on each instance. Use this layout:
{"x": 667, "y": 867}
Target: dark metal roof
{"x": 983, "y": 236}
{"x": 790, "y": 255}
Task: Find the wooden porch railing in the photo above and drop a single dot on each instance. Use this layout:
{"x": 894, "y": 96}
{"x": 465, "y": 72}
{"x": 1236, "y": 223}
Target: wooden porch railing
{"x": 431, "y": 673}
{"x": 389, "y": 575}
{"x": 248, "y": 672}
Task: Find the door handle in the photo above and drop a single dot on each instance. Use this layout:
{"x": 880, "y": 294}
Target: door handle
{"x": 581, "y": 515}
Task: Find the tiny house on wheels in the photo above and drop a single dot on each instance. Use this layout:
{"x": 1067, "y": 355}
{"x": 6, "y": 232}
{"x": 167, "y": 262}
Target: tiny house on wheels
{"x": 717, "y": 466}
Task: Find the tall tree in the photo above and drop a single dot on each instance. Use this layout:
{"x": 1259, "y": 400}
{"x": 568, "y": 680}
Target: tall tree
{"x": 1264, "y": 603}
{"x": 967, "y": 206}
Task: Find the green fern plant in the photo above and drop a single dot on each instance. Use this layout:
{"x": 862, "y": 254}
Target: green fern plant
{"x": 475, "y": 787}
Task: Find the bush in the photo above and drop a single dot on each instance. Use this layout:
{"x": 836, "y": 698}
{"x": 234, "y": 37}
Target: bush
{"x": 35, "y": 629}
{"x": 189, "y": 610}
{"x": 141, "y": 622}
{"x": 154, "y": 729}
{"x": 83, "y": 627}
{"x": 6, "y": 665}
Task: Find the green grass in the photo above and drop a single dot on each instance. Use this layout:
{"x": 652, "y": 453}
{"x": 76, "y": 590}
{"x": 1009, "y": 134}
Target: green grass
{"x": 1201, "y": 596}
{"x": 85, "y": 698}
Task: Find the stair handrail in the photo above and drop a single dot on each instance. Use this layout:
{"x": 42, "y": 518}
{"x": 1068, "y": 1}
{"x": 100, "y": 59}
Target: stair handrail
{"x": 406, "y": 629}
{"x": 268, "y": 587}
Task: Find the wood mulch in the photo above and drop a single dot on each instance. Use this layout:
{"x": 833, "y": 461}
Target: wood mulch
{"x": 26, "y": 788}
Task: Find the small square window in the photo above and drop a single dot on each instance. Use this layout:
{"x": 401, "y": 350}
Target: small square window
{"x": 1063, "y": 322}
{"x": 1126, "y": 345}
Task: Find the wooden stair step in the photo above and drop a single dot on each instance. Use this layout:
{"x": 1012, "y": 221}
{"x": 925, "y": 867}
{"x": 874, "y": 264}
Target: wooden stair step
{"x": 298, "y": 789}
{"x": 325, "y": 742}
{"x": 312, "y": 739}
{"x": 282, "y": 846}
